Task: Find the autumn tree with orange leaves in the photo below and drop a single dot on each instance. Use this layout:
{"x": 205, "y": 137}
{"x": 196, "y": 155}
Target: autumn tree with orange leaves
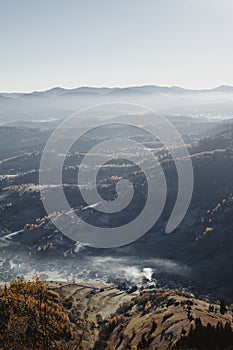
{"x": 32, "y": 317}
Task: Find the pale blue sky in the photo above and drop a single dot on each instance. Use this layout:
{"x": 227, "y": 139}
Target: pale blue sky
{"x": 73, "y": 43}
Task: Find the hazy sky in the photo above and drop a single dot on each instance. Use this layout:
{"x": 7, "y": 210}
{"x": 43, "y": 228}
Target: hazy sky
{"x": 73, "y": 43}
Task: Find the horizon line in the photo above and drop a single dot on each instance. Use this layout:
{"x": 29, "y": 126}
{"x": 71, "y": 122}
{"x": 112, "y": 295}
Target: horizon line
{"x": 116, "y": 87}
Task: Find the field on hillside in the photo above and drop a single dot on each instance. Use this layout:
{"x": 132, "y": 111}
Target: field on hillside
{"x": 117, "y": 320}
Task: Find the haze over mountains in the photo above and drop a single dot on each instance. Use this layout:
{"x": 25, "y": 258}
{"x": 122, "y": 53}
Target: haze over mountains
{"x": 196, "y": 254}
{"x": 116, "y": 164}
{"x": 58, "y": 103}
{"x": 144, "y": 89}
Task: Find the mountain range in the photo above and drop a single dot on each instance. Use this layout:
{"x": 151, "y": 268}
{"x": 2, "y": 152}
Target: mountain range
{"x": 144, "y": 89}
{"x": 59, "y": 103}
{"x": 199, "y": 251}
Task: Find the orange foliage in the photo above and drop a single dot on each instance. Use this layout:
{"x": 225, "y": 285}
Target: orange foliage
{"x": 32, "y": 317}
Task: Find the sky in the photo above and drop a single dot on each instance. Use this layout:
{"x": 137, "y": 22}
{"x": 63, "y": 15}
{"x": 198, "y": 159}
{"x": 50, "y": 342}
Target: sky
{"x": 72, "y": 43}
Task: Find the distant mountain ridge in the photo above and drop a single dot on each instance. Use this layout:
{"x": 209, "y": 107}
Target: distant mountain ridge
{"x": 144, "y": 89}
{"x": 59, "y": 103}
